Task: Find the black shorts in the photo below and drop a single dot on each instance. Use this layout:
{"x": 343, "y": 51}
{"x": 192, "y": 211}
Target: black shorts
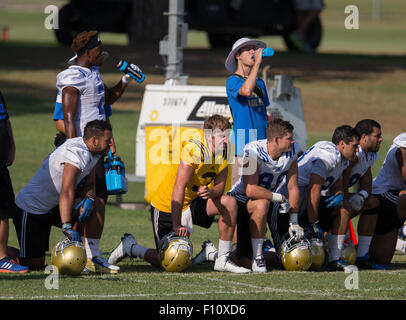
{"x": 388, "y": 218}
{"x": 33, "y": 231}
{"x": 101, "y": 188}
{"x": 7, "y": 205}
{"x": 278, "y": 223}
{"x": 244, "y": 245}
{"x": 162, "y": 221}
{"x": 325, "y": 216}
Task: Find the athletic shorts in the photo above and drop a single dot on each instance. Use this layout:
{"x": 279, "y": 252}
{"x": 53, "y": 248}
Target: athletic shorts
{"x": 162, "y": 221}
{"x": 388, "y": 218}
{"x": 278, "y": 224}
{"x": 33, "y": 231}
{"x": 7, "y": 205}
{"x": 244, "y": 245}
{"x": 325, "y": 215}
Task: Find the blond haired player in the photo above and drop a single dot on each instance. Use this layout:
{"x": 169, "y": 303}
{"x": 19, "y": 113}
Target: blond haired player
{"x": 192, "y": 194}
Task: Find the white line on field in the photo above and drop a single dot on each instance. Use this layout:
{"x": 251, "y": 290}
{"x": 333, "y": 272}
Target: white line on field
{"x": 278, "y": 290}
{"x": 238, "y": 289}
{"x": 139, "y": 295}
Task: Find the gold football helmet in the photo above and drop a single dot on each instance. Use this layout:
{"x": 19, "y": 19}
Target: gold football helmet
{"x": 175, "y": 253}
{"x": 69, "y": 257}
{"x": 296, "y": 255}
{"x": 318, "y": 254}
{"x": 349, "y": 253}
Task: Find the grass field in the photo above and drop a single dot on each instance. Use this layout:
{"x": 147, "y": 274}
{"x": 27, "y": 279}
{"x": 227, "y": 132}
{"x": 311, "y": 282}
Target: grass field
{"x": 356, "y": 74}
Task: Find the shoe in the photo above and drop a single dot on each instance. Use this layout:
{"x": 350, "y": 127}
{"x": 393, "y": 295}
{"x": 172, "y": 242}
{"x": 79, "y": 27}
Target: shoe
{"x": 267, "y": 246}
{"x": 100, "y": 265}
{"x": 340, "y": 265}
{"x": 123, "y": 249}
{"x": 258, "y": 264}
{"x": 208, "y": 253}
{"x": 8, "y": 265}
{"x": 401, "y": 234}
{"x": 224, "y": 264}
{"x": 366, "y": 263}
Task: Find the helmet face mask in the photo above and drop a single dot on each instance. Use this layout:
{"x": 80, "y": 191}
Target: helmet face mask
{"x": 295, "y": 254}
{"x": 175, "y": 253}
{"x": 349, "y": 253}
{"x": 318, "y": 254}
{"x": 69, "y": 257}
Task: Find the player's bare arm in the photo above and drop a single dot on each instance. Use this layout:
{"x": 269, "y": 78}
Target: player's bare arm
{"x": 401, "y": 157}
{"x": 293, "y": 188}
{"x": 346, "y": 177}
{"x": 218, "y": 188}
{"x": 365, "y": 183}
{"x": 67, "y": 194}
{"x": 70, "y": 99}
{"x": 89, "y": 188}
{"x": 337, "y": 187}
{"x": 253, "y": 190}
{"x": 313, "y": 197}
{"x": 113, "y": 148}
{"x": 183, "y": 176}
{"x": 60, "y": 126}
{"x": 248, "y": 87}
{"x": 12, "y": 148}
{"x": 114, "y": 93}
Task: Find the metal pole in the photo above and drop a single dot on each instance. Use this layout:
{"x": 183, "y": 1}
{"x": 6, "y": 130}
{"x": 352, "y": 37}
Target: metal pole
{"x": 376, "y": 10}
{"x": 172, "y": 47}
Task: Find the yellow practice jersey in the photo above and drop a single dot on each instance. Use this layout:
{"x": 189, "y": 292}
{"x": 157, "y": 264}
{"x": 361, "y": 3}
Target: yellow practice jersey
{"x": 206, "y": 167}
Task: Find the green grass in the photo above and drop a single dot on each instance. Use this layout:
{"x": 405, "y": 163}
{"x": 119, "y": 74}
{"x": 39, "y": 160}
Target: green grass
{"x": 138, "y": 280}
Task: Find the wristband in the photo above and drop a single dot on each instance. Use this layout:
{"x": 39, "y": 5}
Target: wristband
{"x": 124, "y": 79}
{"x": 363, "y": 193}
{"x": 277, "y": 197}
{"x": 66, "y": 226}
{"x": 293, "y": 218}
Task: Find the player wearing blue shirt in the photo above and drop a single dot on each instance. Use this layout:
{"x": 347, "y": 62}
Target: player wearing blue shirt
{"x": 7, "y": 207}
{"x": 247, "y": 96}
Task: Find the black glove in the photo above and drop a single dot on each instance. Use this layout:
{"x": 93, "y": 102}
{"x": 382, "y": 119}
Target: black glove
{"x": 60, "y": 138}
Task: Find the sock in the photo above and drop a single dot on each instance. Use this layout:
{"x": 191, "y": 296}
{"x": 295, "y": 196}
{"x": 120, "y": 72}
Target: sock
{"x": 92, "y": 247}
{"x": 138, "y": 251}
{"x": 401, "y": 245}
{"x": 337, "y": 243}
{"x": 257, "y": 247}
{"x": 224, "y": 247}
{"x": 363, "y": 245}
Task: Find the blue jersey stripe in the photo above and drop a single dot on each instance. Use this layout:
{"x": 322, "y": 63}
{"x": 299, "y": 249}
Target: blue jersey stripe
{"x": 58, "y": 113}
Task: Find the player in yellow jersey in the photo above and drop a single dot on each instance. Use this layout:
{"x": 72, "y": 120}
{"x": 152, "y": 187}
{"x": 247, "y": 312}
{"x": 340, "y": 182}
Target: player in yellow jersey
{"x": 192, "y": 193}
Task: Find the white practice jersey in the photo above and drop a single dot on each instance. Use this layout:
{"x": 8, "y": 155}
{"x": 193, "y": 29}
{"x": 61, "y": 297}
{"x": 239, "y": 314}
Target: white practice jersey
{"x": 390, "y": 177}
{"x": 91, "y": 89}
{"x": 270, "y": 172}
{"x": 42, "y": 193}
{"x": 364, "y": 162}
{"x": 323, "y": 159}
